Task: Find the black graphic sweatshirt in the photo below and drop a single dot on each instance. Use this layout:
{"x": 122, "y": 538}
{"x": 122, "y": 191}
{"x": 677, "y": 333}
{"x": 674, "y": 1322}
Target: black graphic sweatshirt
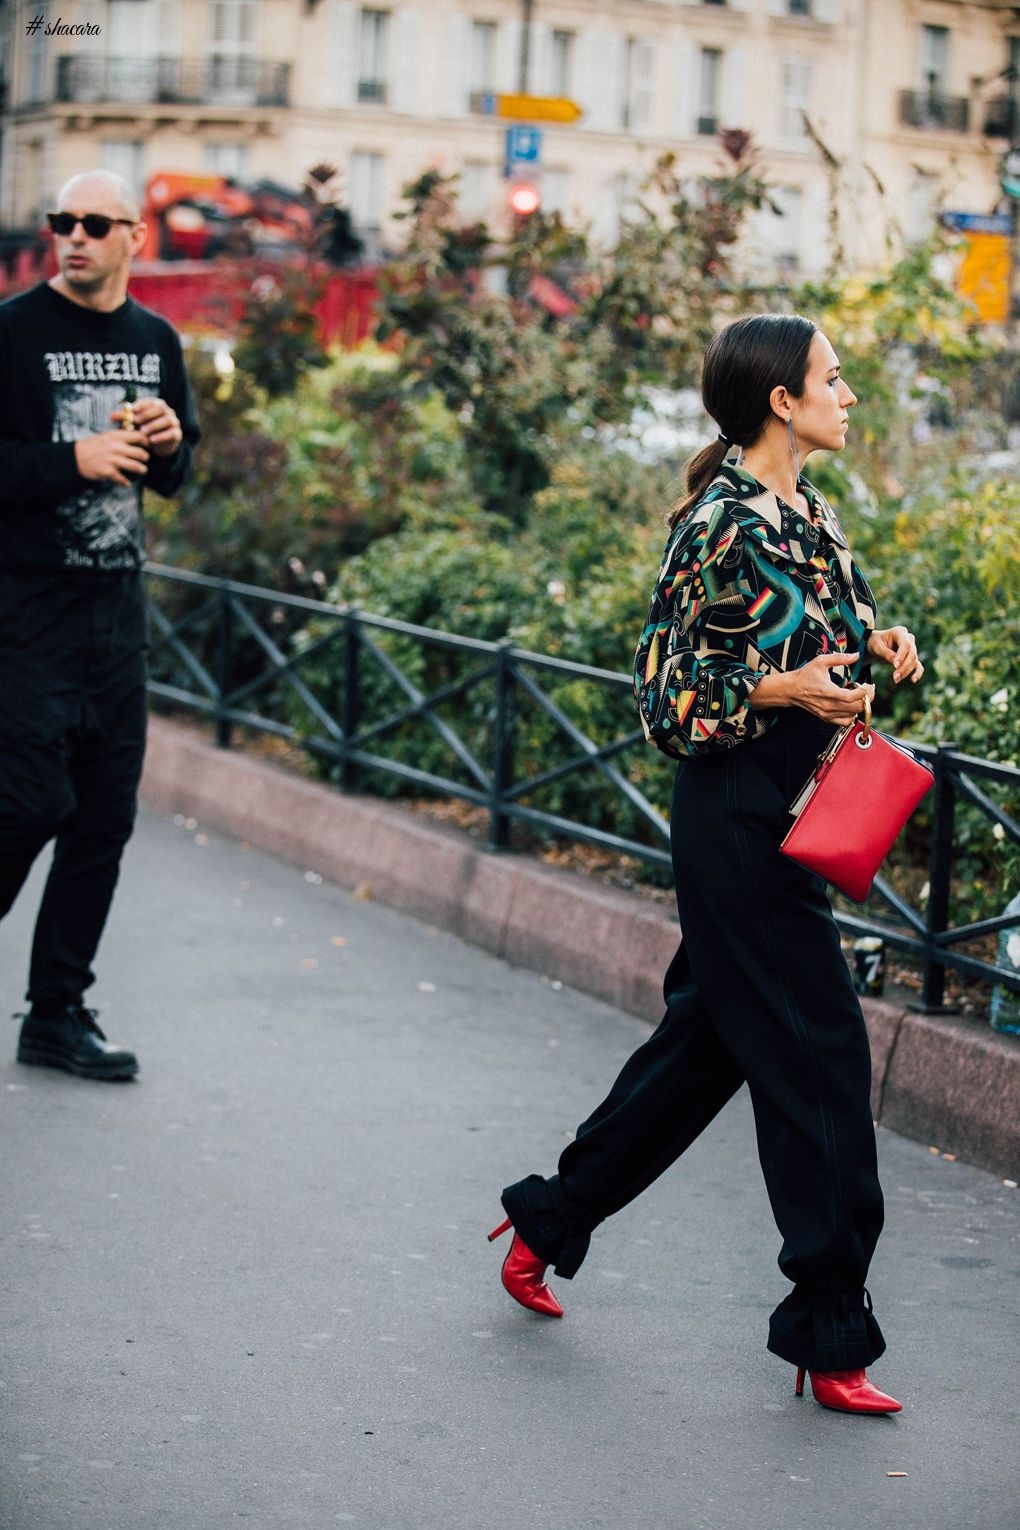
{"x": 63, "y": 370}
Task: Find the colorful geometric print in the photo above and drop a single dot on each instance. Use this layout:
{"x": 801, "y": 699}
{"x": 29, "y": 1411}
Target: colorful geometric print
{"x": 748, "y": 586}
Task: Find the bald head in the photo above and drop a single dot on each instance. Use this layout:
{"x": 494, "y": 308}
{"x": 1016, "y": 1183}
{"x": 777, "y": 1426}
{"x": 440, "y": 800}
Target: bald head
{"x": 100, "y": 191}
{"x": 93, "y": 267}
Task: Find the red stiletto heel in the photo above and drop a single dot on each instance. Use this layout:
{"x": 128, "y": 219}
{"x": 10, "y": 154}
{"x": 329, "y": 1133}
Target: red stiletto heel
{"x": 846, "y": 1392}
{"x": 522, "y": 1275}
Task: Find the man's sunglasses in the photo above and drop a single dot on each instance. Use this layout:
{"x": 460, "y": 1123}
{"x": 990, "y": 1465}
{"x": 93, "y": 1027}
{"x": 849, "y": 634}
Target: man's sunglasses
{"x": 95, "y": 224}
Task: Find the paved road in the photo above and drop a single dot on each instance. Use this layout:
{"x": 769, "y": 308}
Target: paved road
{"x": 254, "y": 1289}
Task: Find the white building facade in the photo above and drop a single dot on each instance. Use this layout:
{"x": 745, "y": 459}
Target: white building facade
{"x": 912, "y": 98}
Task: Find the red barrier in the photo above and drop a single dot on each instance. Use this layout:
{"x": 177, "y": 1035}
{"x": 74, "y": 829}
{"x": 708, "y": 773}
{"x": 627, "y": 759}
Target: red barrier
{"x": 208, "y": 296}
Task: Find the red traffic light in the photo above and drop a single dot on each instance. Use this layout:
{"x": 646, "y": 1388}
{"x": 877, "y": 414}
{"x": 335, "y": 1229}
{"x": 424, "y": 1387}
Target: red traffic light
{"x": 524, "y": 199}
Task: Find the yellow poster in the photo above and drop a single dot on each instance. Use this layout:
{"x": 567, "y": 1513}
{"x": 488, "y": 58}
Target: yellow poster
{"x": 983, "y": 277}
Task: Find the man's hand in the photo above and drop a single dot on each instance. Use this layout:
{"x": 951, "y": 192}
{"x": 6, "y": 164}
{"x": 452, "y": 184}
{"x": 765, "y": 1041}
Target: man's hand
{"x": 157, "y": 423}
{"x": 897, "y": 647}
{"x": 116, "y": 456}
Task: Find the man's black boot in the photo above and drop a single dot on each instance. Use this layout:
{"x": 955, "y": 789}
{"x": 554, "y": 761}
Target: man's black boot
{"x": 70, "y": 1039}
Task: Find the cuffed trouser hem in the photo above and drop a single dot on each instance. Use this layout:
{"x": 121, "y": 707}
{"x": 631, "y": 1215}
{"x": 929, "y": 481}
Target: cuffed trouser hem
{"x": 826, "y": 1333}
{"x": 547, "y": 1223}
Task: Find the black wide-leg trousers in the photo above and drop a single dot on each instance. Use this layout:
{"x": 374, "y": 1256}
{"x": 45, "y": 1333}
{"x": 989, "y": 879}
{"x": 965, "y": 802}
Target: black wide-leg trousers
{"x": 759, "y": 991}
{"x": 72, "y": 740}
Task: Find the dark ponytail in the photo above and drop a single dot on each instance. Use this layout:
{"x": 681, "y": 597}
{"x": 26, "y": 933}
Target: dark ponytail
{"x": 743, "y": 364}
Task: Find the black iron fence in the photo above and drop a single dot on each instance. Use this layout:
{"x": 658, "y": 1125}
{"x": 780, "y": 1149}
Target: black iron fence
{"x": 529, "y": 738}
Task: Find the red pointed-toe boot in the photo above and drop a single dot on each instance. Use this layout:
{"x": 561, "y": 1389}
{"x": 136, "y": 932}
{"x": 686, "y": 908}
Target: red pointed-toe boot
{"x": 522, "y": 1275}
{"x": 847, "y": 1392}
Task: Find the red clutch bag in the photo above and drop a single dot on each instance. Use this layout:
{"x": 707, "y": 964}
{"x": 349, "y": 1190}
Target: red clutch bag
{"x": 850, "y": 810}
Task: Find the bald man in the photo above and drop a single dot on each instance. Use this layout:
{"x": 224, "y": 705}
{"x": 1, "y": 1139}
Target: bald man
{"x": 94, "y": 406}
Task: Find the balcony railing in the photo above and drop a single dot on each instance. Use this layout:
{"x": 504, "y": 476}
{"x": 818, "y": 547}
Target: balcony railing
{"x": 372, "y": 90}
{"x": 924, "y": 109}
{"x": 1002, "y": 118}
{"x": 215, "y": 81}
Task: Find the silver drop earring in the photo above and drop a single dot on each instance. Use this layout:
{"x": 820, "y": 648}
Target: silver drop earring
{"x": 794, "y": 453}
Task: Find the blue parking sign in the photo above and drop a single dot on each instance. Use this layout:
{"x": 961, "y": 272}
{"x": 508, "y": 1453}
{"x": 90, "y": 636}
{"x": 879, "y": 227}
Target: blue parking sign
{"x": 523, "y": 145}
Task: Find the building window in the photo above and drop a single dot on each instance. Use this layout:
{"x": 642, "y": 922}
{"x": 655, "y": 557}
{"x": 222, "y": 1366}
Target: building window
{"x": 922, "y": 206}
{"x": 626, "y": 207}
{"x": 556, "y": 191}
{"x": 638, "y": 59}
{"x": 477, "y": 190}
{"x": 233, "y": 67}
{"x": 934, "y": 61}
{"x": 709, "y": 76}
{"x": 483, "y": 58}
{"x": 229, "y": 159}
{"x": 37, "y": 71}
{"x": 373, "y": 42}
{"x": 124, "y": 157}
{"x": 794, "y": 99}
{"x": 562, "y": 65}
{"x": 787, "y": 228}
{"x": 798, "y": 7}
{"x": 367, "y": 193}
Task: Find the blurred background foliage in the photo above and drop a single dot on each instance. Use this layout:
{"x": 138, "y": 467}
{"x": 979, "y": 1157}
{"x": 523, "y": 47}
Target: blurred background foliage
{"x": 485, "y": 467}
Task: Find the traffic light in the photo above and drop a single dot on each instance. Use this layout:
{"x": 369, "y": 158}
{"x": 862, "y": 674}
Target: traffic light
{"x": 525, "y": 199}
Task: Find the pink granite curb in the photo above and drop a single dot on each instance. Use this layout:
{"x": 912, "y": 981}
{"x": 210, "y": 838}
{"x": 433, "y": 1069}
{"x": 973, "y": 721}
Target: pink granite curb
{"x": 950, "y": 1084}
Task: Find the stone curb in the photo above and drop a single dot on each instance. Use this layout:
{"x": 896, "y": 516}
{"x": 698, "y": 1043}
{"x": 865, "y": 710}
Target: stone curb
{"x": 946, "y": 1082}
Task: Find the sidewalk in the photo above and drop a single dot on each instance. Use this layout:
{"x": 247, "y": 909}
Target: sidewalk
{"x": 949, "y": 1083}
{"x": 254, "y": 1288}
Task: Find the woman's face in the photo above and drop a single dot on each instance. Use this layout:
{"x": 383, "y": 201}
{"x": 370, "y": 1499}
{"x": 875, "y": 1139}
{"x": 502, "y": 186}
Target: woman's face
{"x": 821, "y": 415}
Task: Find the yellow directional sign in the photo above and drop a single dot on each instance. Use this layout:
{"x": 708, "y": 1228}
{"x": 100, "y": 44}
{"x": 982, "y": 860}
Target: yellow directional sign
{"x": 527, "y": 108}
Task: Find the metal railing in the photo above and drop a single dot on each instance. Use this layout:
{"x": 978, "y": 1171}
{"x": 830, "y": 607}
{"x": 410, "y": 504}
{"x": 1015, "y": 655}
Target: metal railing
{"x": 1002, "y": 117}
{"x": 220, "y": 80}
{"x": 339, "y": 683}
{"x": 928, "y": 109}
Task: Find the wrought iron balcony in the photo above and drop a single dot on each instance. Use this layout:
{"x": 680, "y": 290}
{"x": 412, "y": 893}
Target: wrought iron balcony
{"x": 1002, "y": 118}
{"x": 927, "y": 109}
{"x": 372, "y": 90}
{"x": 223, "y": 80}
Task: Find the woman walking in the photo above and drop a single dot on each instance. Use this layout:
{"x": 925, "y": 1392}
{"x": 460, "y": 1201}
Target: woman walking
{"x": 756, "y": 650}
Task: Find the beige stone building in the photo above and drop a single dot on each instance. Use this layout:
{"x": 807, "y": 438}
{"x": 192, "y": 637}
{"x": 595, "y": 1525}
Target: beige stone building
{"x": 914, "y": 98}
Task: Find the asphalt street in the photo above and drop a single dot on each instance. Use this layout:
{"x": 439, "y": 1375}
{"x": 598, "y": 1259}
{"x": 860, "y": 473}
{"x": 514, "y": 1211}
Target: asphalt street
{"x": 254, "y": 1288}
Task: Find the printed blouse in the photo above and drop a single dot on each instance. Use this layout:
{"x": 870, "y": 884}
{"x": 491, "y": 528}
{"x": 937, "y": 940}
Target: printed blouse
{"x": 748, "y": 586}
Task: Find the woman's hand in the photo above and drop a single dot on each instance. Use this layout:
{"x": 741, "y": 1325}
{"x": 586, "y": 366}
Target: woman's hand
{"x": 897, "y": 647}
{"x": 813, "y": 688}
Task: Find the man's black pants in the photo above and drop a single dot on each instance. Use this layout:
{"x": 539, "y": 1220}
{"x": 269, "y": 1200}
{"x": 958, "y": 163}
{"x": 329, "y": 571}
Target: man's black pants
{"x": 72, "y": 739}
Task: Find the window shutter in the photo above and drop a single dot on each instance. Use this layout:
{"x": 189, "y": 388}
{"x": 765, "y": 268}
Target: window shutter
{"x": 733, "y": 110}
{"x": 642, "y": 86}
{"x": 407, "y": 57}
{"x": 814, "y": 229}
{"x": 600, "y": 80}
{"x": 542, "y": 83}
{"x": 508, "y": 56}
{"x": 456, "y": 64}
{"x": 687, "y": 73}
{"x": 91, "y": 13}
{"x": 343, "y": 52}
